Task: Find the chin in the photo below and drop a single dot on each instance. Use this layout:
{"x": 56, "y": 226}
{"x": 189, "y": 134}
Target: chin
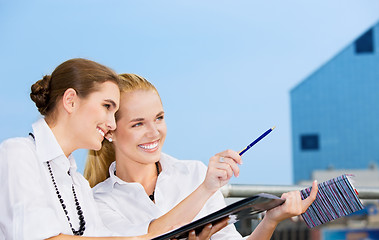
{"x": 152, "y": 156}
{"x": 97, "y": 146}
{"x": 157, "y": 155}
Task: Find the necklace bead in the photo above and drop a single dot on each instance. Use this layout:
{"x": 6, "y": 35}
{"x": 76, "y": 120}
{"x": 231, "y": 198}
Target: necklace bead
{"x": 151, "y": 196}
{"x": 82, "y": 223}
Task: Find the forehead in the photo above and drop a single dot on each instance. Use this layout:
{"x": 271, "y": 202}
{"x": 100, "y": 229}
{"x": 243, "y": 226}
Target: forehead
{"x": 140, "y": 103}
{"x": 107, "y": 88}
{"x": 106, "y": 91}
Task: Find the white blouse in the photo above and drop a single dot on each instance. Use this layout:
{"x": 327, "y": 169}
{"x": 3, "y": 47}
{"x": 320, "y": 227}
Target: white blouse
{"x": 29, "y": 205}
{"x": 127, "y": 210}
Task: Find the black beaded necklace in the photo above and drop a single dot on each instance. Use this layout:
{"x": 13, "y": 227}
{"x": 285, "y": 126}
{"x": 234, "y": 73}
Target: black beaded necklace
{"x": 151, "y": 196}
{"x": 82, "y": 223}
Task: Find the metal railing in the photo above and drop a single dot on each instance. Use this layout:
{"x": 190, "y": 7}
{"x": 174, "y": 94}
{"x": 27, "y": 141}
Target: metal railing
{"x": 246, "y": 190}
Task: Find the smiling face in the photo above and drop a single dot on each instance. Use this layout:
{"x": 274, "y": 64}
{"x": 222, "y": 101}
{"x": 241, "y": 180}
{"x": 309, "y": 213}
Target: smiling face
{"x": 141, "y": 129}
{"x": 95, "y": 116}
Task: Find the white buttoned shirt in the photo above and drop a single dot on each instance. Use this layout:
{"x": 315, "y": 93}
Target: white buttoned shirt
{"x": 126, "y": 208}
{"x": 29, "y": 206}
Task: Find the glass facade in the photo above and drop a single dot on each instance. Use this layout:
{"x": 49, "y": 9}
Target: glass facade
{"x": 335, "y": 112}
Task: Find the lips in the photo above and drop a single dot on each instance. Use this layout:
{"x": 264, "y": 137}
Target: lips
{"x": 150, "y": 147}
{"x": 101, "y": 132}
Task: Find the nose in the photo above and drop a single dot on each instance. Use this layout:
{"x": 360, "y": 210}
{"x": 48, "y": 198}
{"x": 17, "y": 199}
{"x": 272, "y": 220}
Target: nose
{"x": 152, "y": 130}
{"x": 111, "y": 123}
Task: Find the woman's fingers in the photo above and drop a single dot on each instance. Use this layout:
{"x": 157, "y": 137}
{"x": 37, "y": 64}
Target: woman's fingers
{"x": 225, "y": 166}
{"x": 229, "y": 165}
{"x": 221, "y": 168}
{"x": 206, "y": 233}
{"x": 219, "y": 225}
{"x": 209, "y": 230}
{"x": 232, "y": 155}
{"x": 293, "y": 206}
{"x": 192, "y": 235}
{"x": 310, "y": 199}
{"x": 229, "y": 160}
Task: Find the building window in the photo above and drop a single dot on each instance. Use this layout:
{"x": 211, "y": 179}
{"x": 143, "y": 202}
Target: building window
{"x": 309, "y": 142}
{"x": 365, "y": 44}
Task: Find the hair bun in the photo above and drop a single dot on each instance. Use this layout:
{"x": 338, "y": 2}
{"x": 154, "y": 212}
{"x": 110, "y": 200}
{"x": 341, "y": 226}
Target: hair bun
{"x": 40, "y": 92}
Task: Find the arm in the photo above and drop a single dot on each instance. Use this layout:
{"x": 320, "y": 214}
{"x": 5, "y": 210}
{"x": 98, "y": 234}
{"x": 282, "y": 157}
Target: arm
{"x": 25, "y": 188}
{"x": 293, "y": 206}
{"x": 26, "y": 210}
{"x": 218, "y": 174}
{"x": 69, "y": 237}
{"x": 208, "y": 231}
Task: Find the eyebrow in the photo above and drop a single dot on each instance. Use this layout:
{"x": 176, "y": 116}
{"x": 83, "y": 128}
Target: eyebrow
{"x": 137, "y": 120}
{"x": 141, "y": 119}
{"x": 111, "y": 102}
{"x": 160, "y": 113}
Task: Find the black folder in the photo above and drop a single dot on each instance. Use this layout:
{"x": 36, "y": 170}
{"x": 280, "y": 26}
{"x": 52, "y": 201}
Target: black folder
{"x": 243, "y": 209}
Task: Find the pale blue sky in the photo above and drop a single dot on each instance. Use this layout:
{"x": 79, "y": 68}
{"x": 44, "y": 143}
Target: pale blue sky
{"x": 224, "y": 69}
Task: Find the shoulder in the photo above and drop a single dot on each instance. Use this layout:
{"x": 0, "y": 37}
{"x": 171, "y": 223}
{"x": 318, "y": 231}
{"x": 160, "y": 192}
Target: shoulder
{"x": 102, "y": 188}
{"x": 17, "y": 147}
{"x": 18, "y": 157}
{"x": 194, "y": 165}
{"x": 191, "y": 166}
{"x": 16, "y": 142}
{"x": 82, "y": 181}
{"x": 19, "y": 160}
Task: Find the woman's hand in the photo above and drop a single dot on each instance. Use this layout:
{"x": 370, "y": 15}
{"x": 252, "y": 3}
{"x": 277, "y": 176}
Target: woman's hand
{"x": 208, "y": 230}
{"x": 218, "y": 174}
{"x": 221, "y": 168}
{"x": 293, "y": 206}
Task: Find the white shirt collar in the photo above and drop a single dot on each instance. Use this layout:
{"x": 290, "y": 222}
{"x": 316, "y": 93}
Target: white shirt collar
{"x": 113, "y": 178}
{"x": 167, "y": 163}
{"x": 48, "y": 148}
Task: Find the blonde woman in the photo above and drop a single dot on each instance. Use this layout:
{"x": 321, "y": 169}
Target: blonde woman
{"x": 143, "y": 183}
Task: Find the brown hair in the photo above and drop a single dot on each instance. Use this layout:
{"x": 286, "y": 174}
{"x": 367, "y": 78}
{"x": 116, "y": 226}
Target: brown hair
{"x": 98, "y": 162}
{"x": 83, "y": 75}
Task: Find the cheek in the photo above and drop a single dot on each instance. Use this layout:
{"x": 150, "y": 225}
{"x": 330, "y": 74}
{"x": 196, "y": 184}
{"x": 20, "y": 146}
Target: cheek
{"x": 163, "y": 128}
{"x": 97, "y": 113}
{"x": 125, "y": 138}
{"x": 163, "y": 131}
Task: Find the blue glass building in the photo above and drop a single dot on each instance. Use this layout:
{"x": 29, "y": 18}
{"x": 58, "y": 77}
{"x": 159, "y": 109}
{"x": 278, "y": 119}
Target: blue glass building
{"x": 335, "y": 111}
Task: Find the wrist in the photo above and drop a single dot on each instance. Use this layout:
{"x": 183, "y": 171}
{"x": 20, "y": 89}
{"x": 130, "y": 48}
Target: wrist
{"x": 149, "y": 236}
{"x": 270, "y": 223}
{"x": 204, "y": 189}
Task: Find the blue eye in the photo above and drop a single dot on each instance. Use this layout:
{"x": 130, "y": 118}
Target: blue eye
{"x": 107, "y": 106}
{"x": 160, "y": 118}
{"x": 137, "y": 124}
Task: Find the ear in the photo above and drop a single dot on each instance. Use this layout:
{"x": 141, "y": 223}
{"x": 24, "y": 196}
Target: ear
{"x": 69, "y": 100}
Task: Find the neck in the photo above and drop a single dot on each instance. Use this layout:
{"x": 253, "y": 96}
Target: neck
{"x": 63, "y": 138}
{"x": 132, "y": 171}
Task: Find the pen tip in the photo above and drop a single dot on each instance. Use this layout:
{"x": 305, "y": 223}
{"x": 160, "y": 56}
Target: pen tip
{"x": 273, "y": 128}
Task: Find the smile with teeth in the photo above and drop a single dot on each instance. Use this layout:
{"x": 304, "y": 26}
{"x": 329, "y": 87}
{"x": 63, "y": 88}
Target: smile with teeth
{"x": 149, "y": 146}
{"x": 101, "y": 132}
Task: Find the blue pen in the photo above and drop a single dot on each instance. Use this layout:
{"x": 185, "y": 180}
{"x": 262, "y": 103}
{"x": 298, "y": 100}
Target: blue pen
{"x": 255, "y": 141}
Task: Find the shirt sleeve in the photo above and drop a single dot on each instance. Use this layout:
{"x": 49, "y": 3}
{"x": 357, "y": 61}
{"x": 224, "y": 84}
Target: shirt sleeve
{"x": 118, "y": 224}
{"x": 26, "y": 212}
{"x": 215, "y": 203}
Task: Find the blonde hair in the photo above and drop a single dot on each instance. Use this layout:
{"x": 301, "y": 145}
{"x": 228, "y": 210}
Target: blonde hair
{"x": 98, "y": 162}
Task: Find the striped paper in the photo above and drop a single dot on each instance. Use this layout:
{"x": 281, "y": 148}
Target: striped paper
{"x": 335, "y": 198}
